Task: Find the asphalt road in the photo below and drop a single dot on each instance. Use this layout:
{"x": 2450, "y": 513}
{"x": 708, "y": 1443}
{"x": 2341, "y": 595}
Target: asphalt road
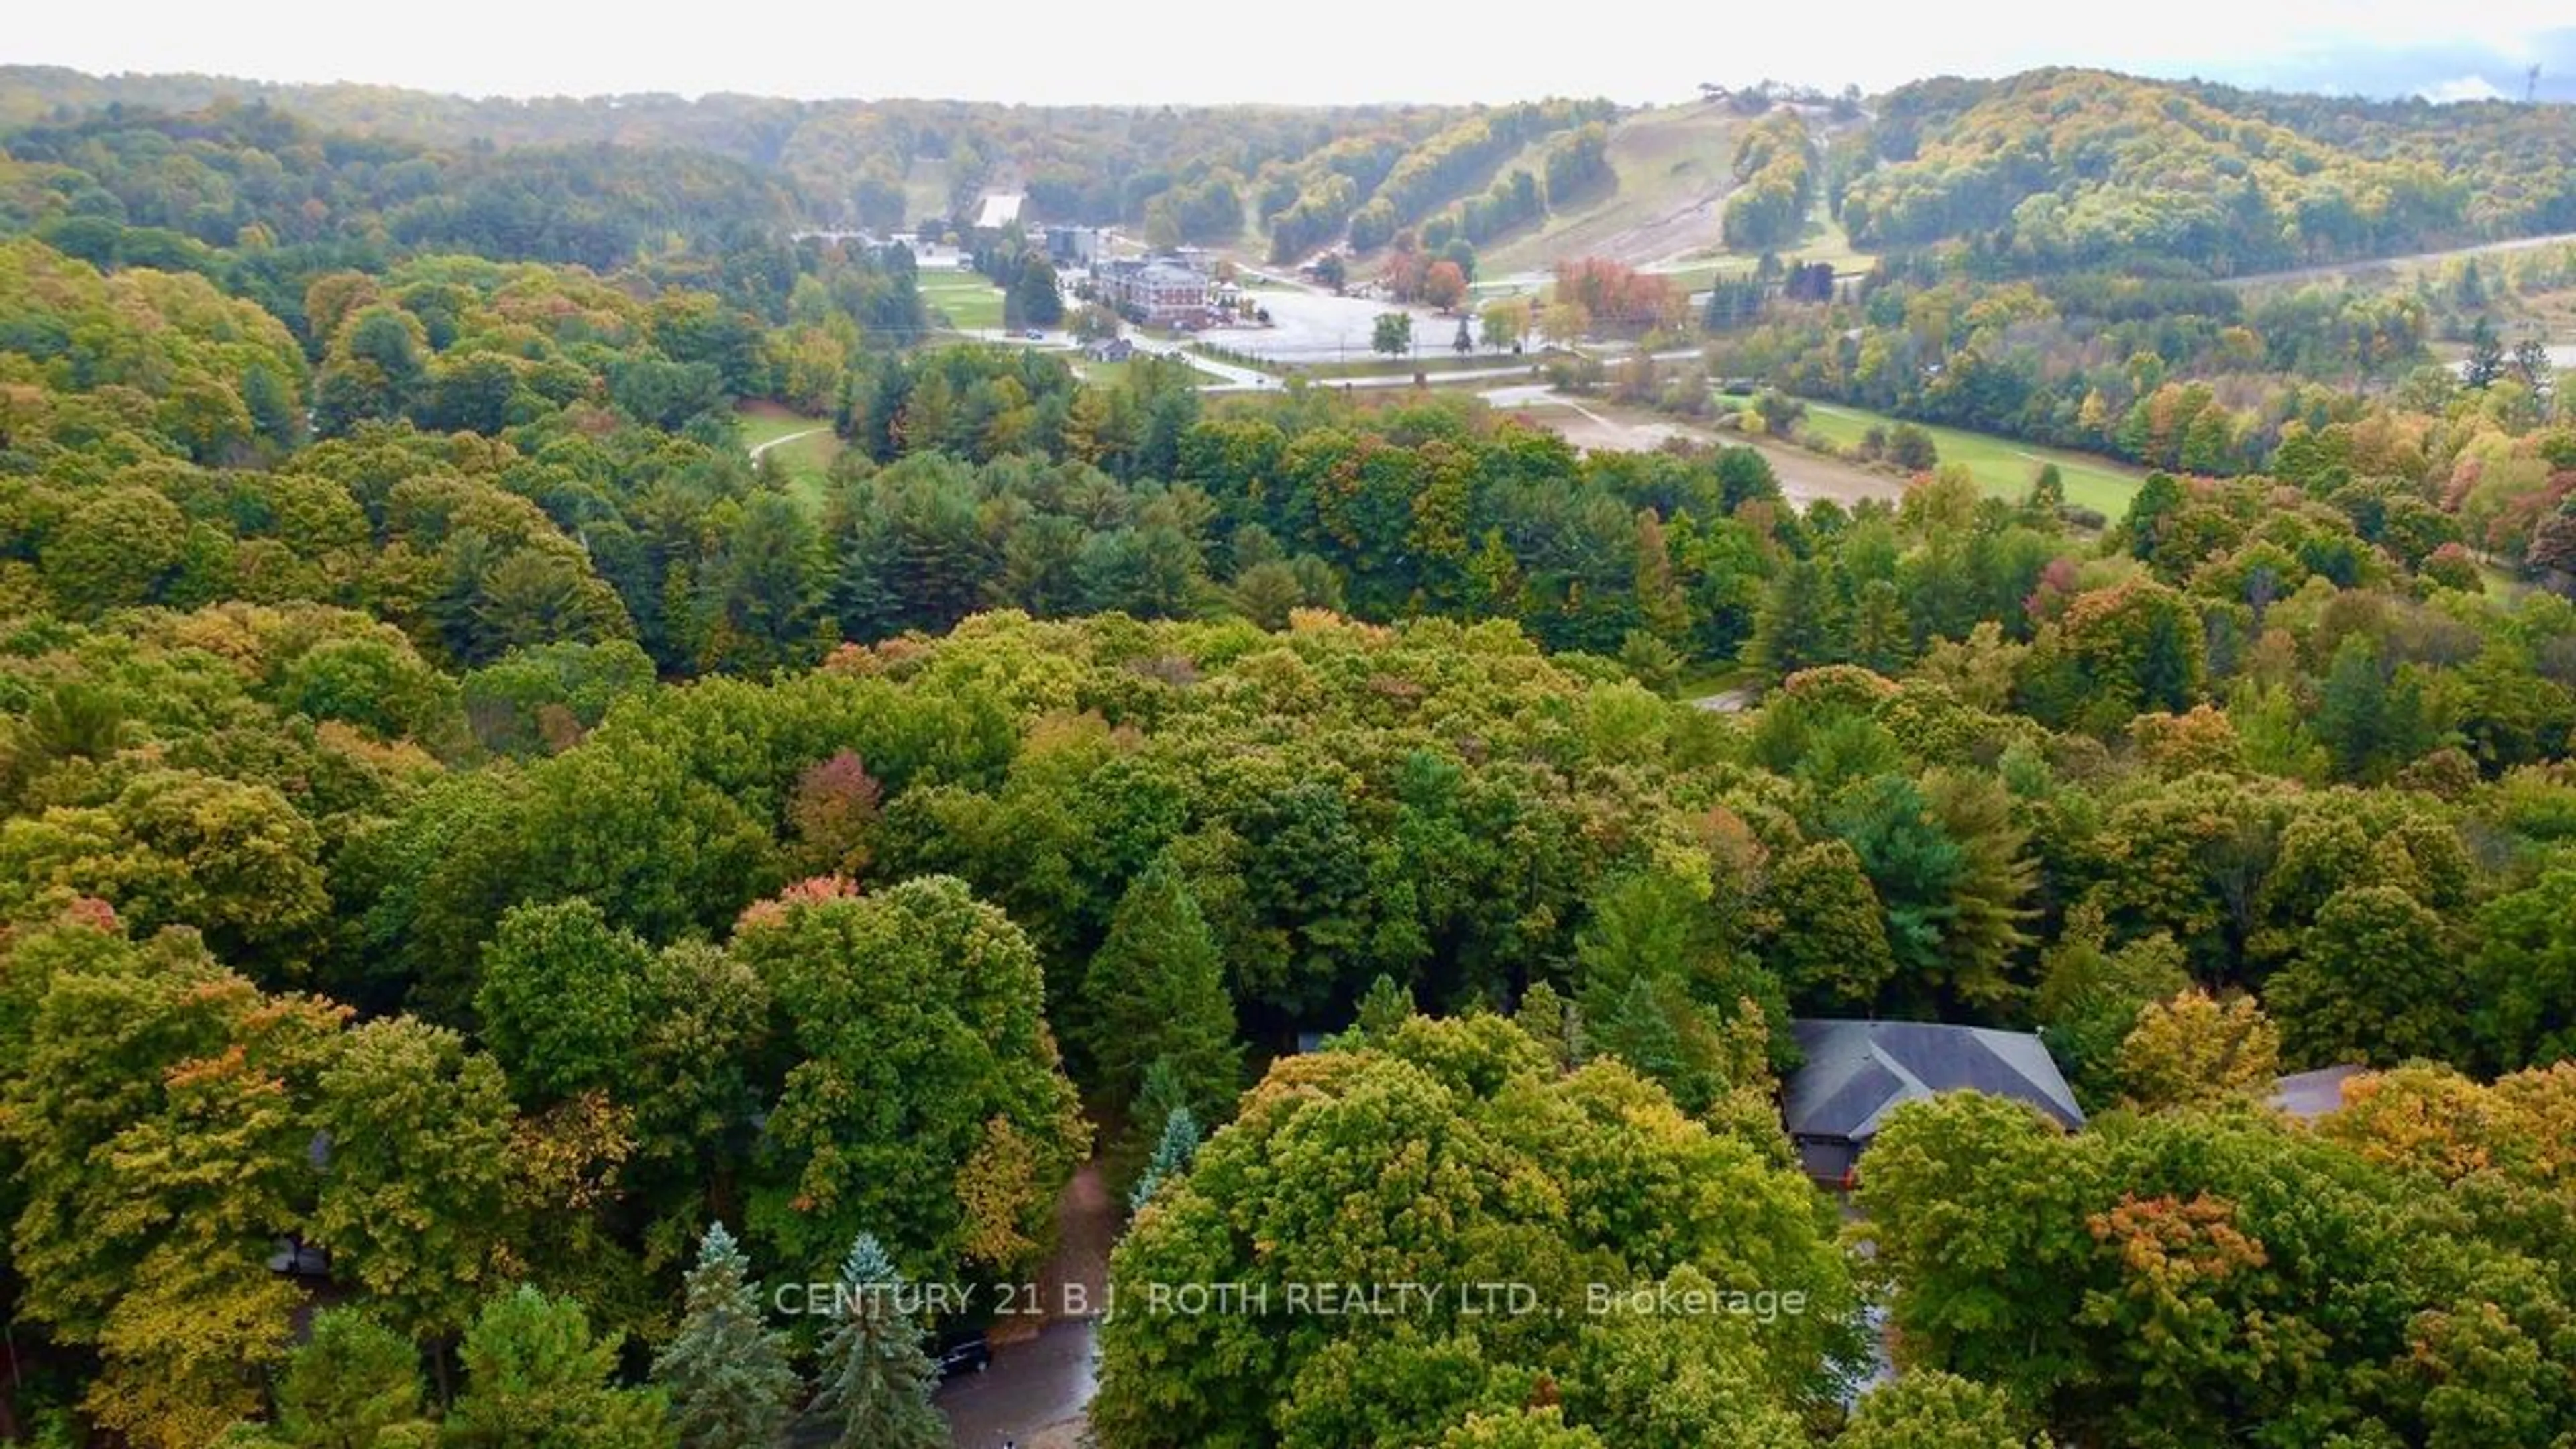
{"x": 1032, "y": 1384}
{"x": 2330, "y": 269}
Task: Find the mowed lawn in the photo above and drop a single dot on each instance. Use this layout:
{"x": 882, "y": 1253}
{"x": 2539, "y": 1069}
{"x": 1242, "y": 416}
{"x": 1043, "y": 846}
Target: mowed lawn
{"x": 2002, "y": 467}
{"x": 969, "y": 298}
{"x": 807, "y": 459}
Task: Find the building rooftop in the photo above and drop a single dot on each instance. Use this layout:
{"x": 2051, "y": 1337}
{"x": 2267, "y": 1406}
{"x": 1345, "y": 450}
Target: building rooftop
{"x": 2310, "y": 1095}
{"x": 1857, "y": 1072}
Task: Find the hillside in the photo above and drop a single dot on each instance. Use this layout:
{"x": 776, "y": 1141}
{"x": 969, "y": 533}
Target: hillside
{"x": 1672, "y": 169}
{"x": 604, "y": 779}
{"x": 877, "y": 163}
{"x": 2069, "y": 168}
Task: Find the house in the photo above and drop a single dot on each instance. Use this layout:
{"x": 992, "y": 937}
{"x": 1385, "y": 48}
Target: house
{"x": 2311, "y": 1095}
{"x": 1110, "y": 349}
{"x": 1161, "y": 291}
{"x": 1858, "y": 1072}
{"x": 1073, "y": 246}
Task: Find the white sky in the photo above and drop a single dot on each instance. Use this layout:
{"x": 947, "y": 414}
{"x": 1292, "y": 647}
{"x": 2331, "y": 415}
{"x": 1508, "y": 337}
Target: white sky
{"x": 1147, "y": 51}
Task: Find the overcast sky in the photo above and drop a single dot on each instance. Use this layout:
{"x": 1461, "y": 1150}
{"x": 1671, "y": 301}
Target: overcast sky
{"x": 1295, "y": 50}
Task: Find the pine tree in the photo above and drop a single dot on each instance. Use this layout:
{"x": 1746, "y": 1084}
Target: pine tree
{"x": 1799, "y": 625}
{"x": 2486, "y": 356}
{"x": 351, "y": 1384}
{"x": 1161, "y": 1093}
{"x": 1180, "y": 1143}
{"x": 728, "y": 1377}
{"x": 1156, "y": 989}
{"x": 1639, "y": 1030}
{"x": 1384, "y": 1007}
{"x": 535, "y": 1374}
{"x": 1661, "y": 604}
{"x": 875, "y": 1377}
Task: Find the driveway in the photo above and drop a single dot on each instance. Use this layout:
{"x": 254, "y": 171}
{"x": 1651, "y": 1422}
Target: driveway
{"x": 1032, "y": 1386}
{"x": 1038, "y": 1386}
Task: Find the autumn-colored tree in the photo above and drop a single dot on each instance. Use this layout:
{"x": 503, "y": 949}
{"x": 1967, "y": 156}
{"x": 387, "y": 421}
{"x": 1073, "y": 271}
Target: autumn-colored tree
{"x": 920, "y": 995}
{"x": 2193, "y": 1049}
{"x": 1444, "y": 285}
{"x": 1929, "y": 1409}
{"x": 155, "y": 1112}
{"x": 1332, "y": 1159}
{"x": 419, "y": 1134}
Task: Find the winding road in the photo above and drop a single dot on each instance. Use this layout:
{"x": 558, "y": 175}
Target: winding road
{"x": 2411, "y": 259}
{"x": 789, "y": 438}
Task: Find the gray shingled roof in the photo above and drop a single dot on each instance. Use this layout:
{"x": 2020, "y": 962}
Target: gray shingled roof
{"x": 1859, "y": 1071}
{"x": 2310, "y": 1095}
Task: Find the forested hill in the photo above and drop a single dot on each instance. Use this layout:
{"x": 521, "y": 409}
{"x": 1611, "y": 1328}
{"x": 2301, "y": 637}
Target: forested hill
{"x": 2048, "y": 170}
{"x": 1189, "y": 171}
{"x": 245, "y": 192}
{"x": 2074, "y": 168}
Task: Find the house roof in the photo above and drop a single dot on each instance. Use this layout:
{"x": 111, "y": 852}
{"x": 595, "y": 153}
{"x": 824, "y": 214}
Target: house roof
{"x": 1857, "y": 1072}
{"x": 2310, "y": 1095}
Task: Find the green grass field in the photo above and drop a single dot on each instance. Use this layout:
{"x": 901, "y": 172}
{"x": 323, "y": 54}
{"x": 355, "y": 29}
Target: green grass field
{"x": 1666, "y": 161}
{"x": 807, "y": 459}
{"x": 968, "y": 298}
{"x": 2002, "y": 466}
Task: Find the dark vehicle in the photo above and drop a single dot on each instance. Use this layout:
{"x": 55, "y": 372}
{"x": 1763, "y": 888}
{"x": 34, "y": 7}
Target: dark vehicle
{"x": 967, "y": 1353}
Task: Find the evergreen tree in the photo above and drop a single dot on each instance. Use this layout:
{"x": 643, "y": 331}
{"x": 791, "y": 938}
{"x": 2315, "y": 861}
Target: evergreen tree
{"x": 2158, "y": 497}
{"x": 728, "y": 1377}
{"x": 1638, "y": 1029}
{"x": 352, "y": 1384}
{"x": 1553, "y": 1022}
{"x": 1180, "y": 1143}
{"x": 1034, "y": 296}
{"x": 1156, "y": 991}
{"x": 1384, "y": 1007}
{"x": 2486, "y": 356}
{"x": 1161, "y": 1094}
{"x": 1799, "y": 625}
{"x": 2352, "y": 706}
{"x": 535, "y": 1375}
{"x": 875, "y": 1377}
{"x": 2047, "y": 495}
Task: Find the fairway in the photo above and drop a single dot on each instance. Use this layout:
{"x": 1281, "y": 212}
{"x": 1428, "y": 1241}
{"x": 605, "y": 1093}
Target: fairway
{"x": 969, "y": 299}
{"x": 2002, "y": 467}
{"x": 806, "y": 459}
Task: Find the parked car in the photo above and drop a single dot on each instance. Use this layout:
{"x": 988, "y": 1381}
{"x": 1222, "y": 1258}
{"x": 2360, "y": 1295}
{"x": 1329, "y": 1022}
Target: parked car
{"x": 967, "y": 1353}
{"x": 1035, "y": 335}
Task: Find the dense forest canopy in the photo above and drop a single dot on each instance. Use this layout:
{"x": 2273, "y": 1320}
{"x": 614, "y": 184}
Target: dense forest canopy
{"x": 462, "y": 814}
{"x": 2066, "y": 168}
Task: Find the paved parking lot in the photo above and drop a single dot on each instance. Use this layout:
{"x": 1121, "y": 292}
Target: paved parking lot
{"x": 1319, "y": 327}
